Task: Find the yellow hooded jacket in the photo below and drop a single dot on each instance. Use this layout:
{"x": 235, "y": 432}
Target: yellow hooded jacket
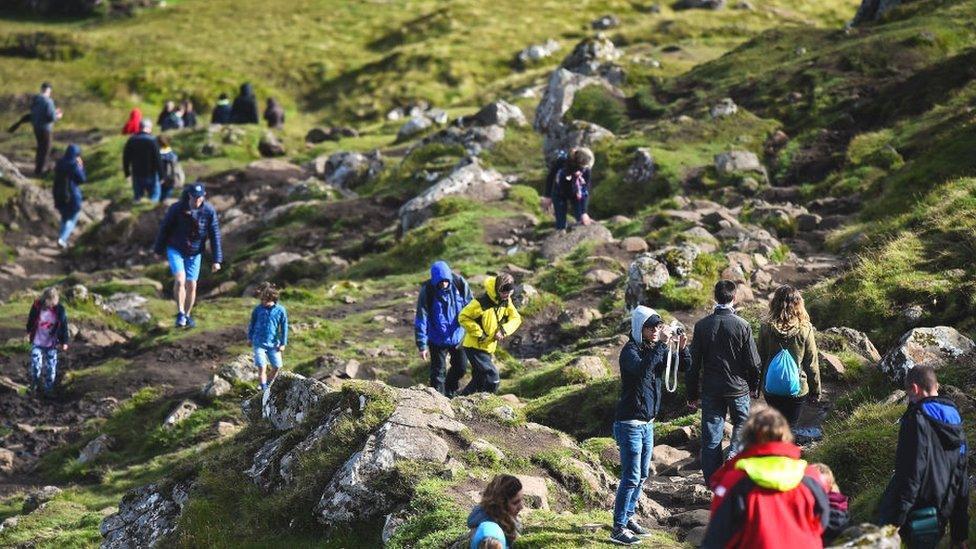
{"x": 481, "y": 325}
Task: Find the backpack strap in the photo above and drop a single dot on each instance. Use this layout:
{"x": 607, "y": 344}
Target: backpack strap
{"x": 822, "y": 504}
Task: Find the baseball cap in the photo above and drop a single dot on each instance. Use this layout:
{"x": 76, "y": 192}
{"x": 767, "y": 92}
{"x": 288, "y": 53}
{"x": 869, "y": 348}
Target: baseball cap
{"x": 653, "y": 321}
{"x": 197, "y": 190}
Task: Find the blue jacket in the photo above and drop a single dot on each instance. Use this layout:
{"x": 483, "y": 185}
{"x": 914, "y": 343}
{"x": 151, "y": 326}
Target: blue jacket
{"x": 269, "y": 326}
{"x": 436, "y": 321}
{"x": 478, "y": 516}
{"x": 187, "y": 230}
{"x": 67, "y": 176}
{"x": 641, "y": 372}
{"x": 43, "y": 112}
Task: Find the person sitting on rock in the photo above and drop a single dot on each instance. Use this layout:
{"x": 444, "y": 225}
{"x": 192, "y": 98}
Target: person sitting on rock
{"x": 929, "y": 489}
{"x": 221, "y": 112}
{"x": 568, "y": 185}
{"x": 47, "y": 330}
{"x": 788, "y": 329}
{"x": 437, "y": 329}
{"x": 767, "y": 496}
{"x": 267, "y": 333}
{"x": 245, "y": 108}
{"x": 274, "y": 114}
{"x": 487, "y": 320}
{"x": 189, "y": 115}
{"x": 182, "y": 236}
{"x": 839, "y": 517}
{"x": 140, "y": 160}
{"x": 724, "y": 372}
{"x": 501, "y": 503}
{"x": 171, "y": 118}
{"x": 642, "y": 367}
{"x": 69, "y": 174}
{"x": 131, "y": 126}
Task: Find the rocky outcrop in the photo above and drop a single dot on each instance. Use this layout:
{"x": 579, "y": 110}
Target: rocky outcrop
{"x": 146, "y": 516}
{"x": 289, "y": 404}
{"x": 562, "y": 243}
{"x": 595, "y": 56}
{"x": 130, "y": 307}
{"x": 932, "y": 346}
{"x": 32, "y": 205}
{"x": 95, "y": 448}
{"x": 641, "y": 170}
{"x": 577, "y": 133}
{"x": 348, "y": 170}
{"x": 558, "y": 97}
{"x": 270, "y": 146}
{"x": 470, "y": 180}
{"x": 497, "y": 113}
{"x": 645, "y": 278}
{"x": 536, "y": 52}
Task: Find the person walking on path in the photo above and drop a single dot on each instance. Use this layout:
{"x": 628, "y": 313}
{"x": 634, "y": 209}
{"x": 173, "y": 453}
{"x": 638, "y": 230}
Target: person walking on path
{"x": 47, "y": 331}
{"x": 501, "y": 503}
{"x": 182, "y": 236}
{"x": 767, "y": 496}
{"x": 724, "y": 373}
{"x": 69, "y": 174}
{"x": 43, "y": 115}
{"x": 131, "y": 126}
{"x": 488, "y": 320}
{"x": 437, "y": 329}
{"x": 245, "y": 108}
{"x": 642, "y": 369}
{"x": 267, "y": 333}
{"x": 788, "y": 329}
{"x": 568, "y": 188}
{"x": 274, "y": 114}
{"x": 221, "y": 112}
{"x": 929, "y": 490}
{"x": 169, "y": 166}
{"x": 140, "y": 161}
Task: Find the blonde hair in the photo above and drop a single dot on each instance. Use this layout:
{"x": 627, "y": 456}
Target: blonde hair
{"x": 490, "y": 543}
{"x": 786, "y": 309}
{"x": 581, "y": 157}
{"x": 766, "y": 425}
{"x": 827, "y": 475}
{"x": 50, "y": 296}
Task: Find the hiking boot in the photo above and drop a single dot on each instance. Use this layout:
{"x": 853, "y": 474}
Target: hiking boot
{"x": 623, "y": 536}
{"x": 180, "y": 320}
{"x": 638, "y": 530}
{"x": 190, "y": 323}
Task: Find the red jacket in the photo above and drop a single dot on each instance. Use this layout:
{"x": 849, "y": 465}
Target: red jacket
{"x": 767, "y": 498}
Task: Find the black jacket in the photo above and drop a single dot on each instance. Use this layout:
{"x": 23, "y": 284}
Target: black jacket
{"x": 60, "y": 330}
{"x": 641, "y": 379}
{"x": 245, "y": 109}
{"x": 930, "y": 467}
{"x": 724, "y": 359}
{"x": 140, "y": 158}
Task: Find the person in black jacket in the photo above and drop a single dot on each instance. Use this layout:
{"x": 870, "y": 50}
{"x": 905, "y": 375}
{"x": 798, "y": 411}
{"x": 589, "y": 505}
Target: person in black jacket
{"x": 568, "y": 186}
{"x": 930, "y": 487}
{"x": 724, "y": 372}
{"x": 245, "y": 108}
{"x": 47, "y": 331}
{"x": 43, "y": 115}
{"x": 221, "y": 112}
{"x": 642, "y": 367}
{"x": 140, "y": 160}
{"x": 69, "y": 174}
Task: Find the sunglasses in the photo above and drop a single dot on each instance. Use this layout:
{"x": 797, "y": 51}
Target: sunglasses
{"x": 505, "y": 289}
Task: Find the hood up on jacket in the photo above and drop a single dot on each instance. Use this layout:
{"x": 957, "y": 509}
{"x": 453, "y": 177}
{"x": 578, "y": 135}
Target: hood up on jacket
{"x": 132, "y": 125}
{"x": 773, "y": 465}
{"x": 490, "y": 288}
{"x": 638, "y": 318}
{"x": 247, "y": 90}
{"x": 72, "y": 153}
{"x": 439, "y": 272}
{"x": 944, "y": 418}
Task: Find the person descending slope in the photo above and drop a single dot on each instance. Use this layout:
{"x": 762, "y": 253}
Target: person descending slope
{"x": 437, "y": 329}
{"x": 47, "y": 331}
{"x": 69, "y": 174}
{"x": 140, "y": 161}
{"x": 487, "y": 320}
{"x": 268, "y": 333}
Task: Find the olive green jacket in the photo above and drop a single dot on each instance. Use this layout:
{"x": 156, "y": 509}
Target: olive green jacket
{"x": 802, "y": 344}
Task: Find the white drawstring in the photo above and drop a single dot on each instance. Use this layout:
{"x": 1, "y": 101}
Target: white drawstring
{"x": 671, "y": 369}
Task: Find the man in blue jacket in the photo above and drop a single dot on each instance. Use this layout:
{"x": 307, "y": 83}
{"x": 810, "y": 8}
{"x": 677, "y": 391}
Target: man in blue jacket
{"x": 436, "y": 326}
{"x": 182, "y": 236}
{"x": 43, "y": 114}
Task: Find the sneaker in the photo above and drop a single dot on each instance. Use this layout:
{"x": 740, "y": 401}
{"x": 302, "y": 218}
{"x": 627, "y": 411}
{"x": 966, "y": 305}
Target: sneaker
{"x": 638, "y": 530}
{"x": 180, "y": 320}
{"x": 623, "y": 536}
{"x": 190, "y": 323}
{"x": 63, "y": 244}
{"x": 262, "y": 387}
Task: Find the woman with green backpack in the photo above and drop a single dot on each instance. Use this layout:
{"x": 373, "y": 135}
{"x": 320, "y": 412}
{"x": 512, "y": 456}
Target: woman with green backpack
{"x": 788, "y": 350}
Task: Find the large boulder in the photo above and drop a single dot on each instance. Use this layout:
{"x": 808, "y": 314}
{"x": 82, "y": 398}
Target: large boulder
{"x": 735, "y": 162}
{"x": 347, "y": 170}
{"x": 416, "y": 125}
{"x": 498, "y": 113}
{"x": 95, "y": 448}
{"x": 851, "y": 340}
{"x": 145, "y": 516}
{"x": 289, "y": 401}
{"x": 130, "y": 307}
{"x": 932, "y": 346}
{"x": 641, "y": 170}
{"x": 645, "y": 278}
{"x": 591, "y": 55}
{"x": 869, "y": 535}
{"x": 562, "y": 243}
{"x": 679, "y": 259}
{"x": 37, "y": 498}
{"x": 269, "y": 145}
{"x": 239, "y": 368}
{"x": 469, "y": 180}
{"x": 32, "y": 205}
{"x": 558, "y": 97}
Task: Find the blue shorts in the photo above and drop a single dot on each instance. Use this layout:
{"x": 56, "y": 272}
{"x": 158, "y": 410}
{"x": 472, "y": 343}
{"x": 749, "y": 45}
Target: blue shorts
{"x": 179, "y": 263}
{"x": 267, "y": 355}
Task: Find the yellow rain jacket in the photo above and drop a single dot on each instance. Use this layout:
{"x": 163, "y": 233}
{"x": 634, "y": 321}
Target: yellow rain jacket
{"x": 484, "y": 316}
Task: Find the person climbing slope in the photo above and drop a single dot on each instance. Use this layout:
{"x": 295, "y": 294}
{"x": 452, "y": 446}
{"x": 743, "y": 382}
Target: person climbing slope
{"x": 488, "y": 320}
{"x": 47, "y": 331}
{"x": 267, "y": 333}
{"x": 437, "y": 329}
{"x": 69, "y": 174}
{"x": 568, "y": 189}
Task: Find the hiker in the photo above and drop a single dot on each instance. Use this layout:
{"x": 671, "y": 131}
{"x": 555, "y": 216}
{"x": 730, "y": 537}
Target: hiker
{"x": 171, "y": 173}
{"x": 839, "y": 517}
{"x": 171, "y": 118}
{"x": 642, "y": 368}
{"x": 437, "y": 331}
{"x": 569, "y": 187}
{"x": 767, "y": 496}
{"x": 267, "y": 333}
{"x": 274, "y": 114}
{"x": 47, "y": 330}
{"x": 140, "y": 160}
{"x": 487, "y": 320}
{"x": 788, "y": 351}
{"x": 43, "y": 116}
{"x": 725, "y": 363}
{"x": 221, "y": 112}
{"x": 189, "y": 115}
{"x": 929, "y": 489}
{"x": 182, "y": 236}
{"x": 245, "y": 108}
{"x": 69, "y": 174}
{"x": 132, "y": 124}
{"x": 501, "y": 502}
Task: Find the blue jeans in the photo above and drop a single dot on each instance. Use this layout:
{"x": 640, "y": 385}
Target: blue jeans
{"x": 560, "y": 207}
{"x": 44, "y": 360}
{"x": 636, "y": 443}
{"x": 713, "y": 411}
{"x": 148, "y": 186}
{"x": 68, "y": 223}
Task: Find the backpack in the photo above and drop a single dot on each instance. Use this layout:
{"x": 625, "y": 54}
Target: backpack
{"x": 783, "y": 375}
{"x": 172, "y": 171}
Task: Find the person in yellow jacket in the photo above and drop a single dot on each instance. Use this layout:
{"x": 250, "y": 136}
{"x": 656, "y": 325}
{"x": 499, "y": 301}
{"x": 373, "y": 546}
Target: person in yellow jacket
{"x": 487, "y": 320}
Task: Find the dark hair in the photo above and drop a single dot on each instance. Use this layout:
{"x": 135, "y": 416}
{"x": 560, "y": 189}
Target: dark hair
{"x": 504, "y": 280}
{"x": 45, "y": 86}
{"x": 922, "y": 375}
{"x": 223, "y": 96}
{"x": 495, "y": 499}
{"x": 267, "y": 291}
{"x": 725, "y": 291}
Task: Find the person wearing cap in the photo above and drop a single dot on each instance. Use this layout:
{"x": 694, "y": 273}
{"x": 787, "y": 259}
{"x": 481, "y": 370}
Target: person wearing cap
{"x": 488, "y": 319}
{"x": 141, "y": 162}
{"x": 642, "y": 365}
{"x": 182, "y": 236}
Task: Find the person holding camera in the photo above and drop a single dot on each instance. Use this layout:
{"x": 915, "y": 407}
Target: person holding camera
{"x": 642, "y": 367}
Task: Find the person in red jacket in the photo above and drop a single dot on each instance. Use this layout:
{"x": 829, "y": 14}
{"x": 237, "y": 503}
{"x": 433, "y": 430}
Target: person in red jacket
{"x": 767, "y": 497}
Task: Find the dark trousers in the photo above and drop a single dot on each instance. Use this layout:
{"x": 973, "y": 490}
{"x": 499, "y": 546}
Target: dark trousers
{"x": 484, "y": 375}
{"x": 43, "y": 137}
{"x": 438, "y": 368}
{"x": 790, "y": 407}
{"x": 561, "y": 207}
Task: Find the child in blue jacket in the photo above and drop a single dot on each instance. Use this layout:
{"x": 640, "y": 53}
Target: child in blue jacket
{"x": 268, "y": 333}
